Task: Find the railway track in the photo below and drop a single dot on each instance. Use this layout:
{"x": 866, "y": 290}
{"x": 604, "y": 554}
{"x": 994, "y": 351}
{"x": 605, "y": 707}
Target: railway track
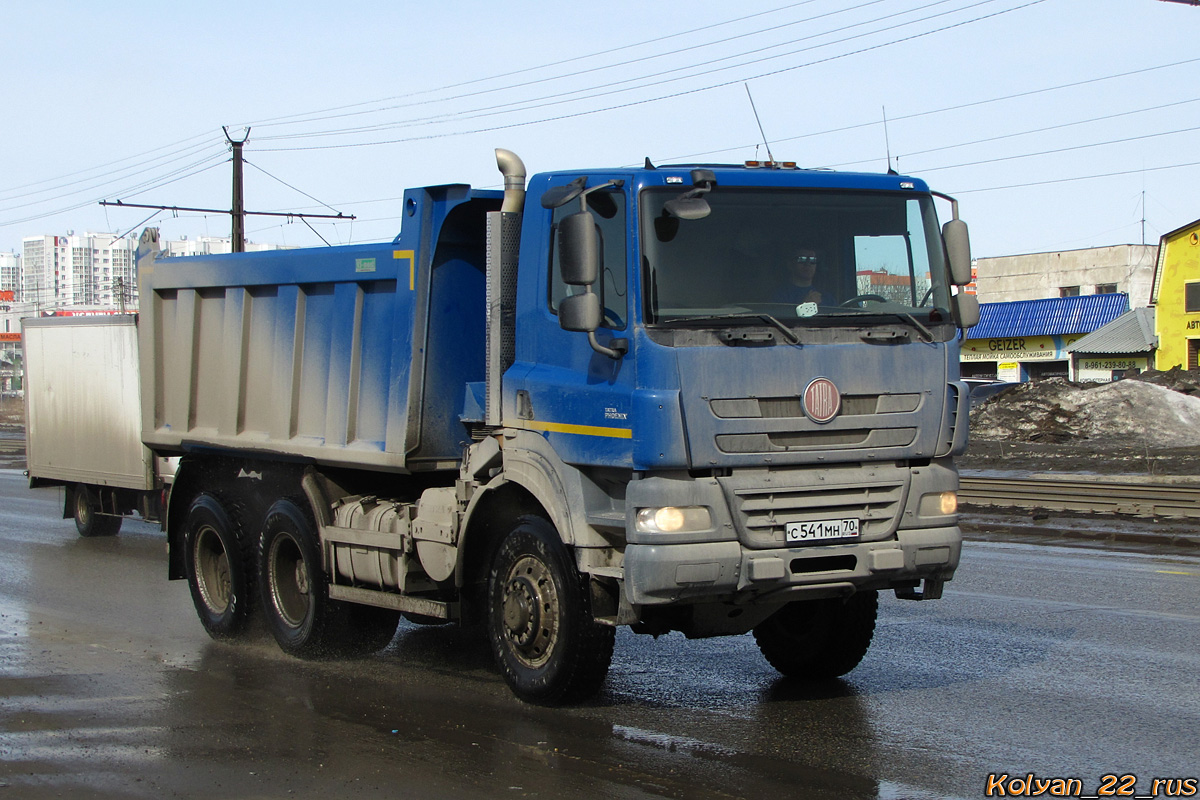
{"x": 1177, "y": 498}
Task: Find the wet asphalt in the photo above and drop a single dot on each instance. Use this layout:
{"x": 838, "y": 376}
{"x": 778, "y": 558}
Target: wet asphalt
{"x": 1060, "y": 661}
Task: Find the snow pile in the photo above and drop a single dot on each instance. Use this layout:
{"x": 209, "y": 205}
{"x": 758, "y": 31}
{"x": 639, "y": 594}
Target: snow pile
{"x": 1143, "y": 412}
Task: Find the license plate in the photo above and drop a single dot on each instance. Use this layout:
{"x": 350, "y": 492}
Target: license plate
{"x": 822, "y": 529}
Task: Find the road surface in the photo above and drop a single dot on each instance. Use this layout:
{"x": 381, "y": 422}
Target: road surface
{"x": 1062, "y": 662}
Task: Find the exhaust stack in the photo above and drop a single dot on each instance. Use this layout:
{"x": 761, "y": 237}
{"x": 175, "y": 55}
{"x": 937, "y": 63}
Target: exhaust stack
{"x": 513, "y": 169}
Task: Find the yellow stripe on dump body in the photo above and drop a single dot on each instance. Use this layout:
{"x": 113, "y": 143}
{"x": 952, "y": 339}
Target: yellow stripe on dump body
{"x": 582, "y": 430}
{"x": 412, "y": 266}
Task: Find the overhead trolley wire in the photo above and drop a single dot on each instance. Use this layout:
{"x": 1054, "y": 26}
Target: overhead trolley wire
{"x": 657, "y": 98}
{"x": 1061, "y": 150}
{"x": 578, "y": 73}
{"x": 1074, "y": 179}
{"x": 95, "y": 182}
{"x": 931, "y": 112}
{"x": 102, "y": 166}
{"x": 572, "y": 59}
{"x": 607, "y": 89}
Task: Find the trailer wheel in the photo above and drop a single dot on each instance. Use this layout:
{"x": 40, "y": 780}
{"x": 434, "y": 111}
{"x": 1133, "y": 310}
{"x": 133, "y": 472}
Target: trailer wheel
{"x": 539, "y": 617}
{"x": 219, "y": 567}
{"x": 819, "y": 639}
{"x": 88, "y": 519}
{"x": 301, "y": 616}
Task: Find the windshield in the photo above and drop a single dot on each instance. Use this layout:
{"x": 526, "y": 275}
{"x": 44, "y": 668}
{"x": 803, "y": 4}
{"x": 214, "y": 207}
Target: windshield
{"x": 802, "y": 257}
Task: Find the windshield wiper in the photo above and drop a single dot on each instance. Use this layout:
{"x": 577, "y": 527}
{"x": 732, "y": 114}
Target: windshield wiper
{"x": 787, "y": 332}
{"x": 904, "y": 315}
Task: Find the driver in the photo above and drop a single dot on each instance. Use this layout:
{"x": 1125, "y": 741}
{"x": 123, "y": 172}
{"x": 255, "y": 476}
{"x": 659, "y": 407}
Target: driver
{"x": 800, "y": 274}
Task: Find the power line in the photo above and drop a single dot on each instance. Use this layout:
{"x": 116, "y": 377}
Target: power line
{"x": 689, "y": 49}
{"x": 1061, "y": 150}
{"x": 606, "y": 89}
{"x": 1074, "y": 178}
{"x": 101, "y": 166}
{"x": 573, "y": 59}
{"x": 145, "y": 186}
{"x": 293, "y": 188}
{"x": 1029, "y": 132}
{"x": 943, "y": 110}
{"x": 657, "y": 98}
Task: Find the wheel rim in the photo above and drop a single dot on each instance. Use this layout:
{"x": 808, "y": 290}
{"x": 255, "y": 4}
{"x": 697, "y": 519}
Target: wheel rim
{"x": 83, "y": 510}
{"x": 289, "y": 580}
{"x": 530, "y": 611}
{"x": 212, "y": 570}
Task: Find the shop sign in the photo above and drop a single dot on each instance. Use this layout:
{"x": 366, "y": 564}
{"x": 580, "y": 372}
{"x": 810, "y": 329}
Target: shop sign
{"x": 1018, "y": 348}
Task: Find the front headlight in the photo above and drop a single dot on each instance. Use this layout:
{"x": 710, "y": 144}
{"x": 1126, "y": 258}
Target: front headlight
{"x": 938, "y": 504}
{"x": 672, "y": 519}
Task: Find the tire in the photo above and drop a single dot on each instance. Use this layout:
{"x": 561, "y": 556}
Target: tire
{"x": 819, "y": 639}
{"x": 88, "y": 519}
{"x": 220, "y": 566}
{"x": 299, "y": 613}
{"x": 539, "y": 619}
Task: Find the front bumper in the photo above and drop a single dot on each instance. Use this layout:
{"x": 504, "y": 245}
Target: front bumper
{"x": 658, "y": 574}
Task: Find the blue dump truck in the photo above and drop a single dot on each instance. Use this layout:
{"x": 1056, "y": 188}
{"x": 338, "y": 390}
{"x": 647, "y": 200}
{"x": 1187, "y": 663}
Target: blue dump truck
{"x": 708, "y": 399}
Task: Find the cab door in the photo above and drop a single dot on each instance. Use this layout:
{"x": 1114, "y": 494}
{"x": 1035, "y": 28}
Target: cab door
{"x": 559, "y": 386}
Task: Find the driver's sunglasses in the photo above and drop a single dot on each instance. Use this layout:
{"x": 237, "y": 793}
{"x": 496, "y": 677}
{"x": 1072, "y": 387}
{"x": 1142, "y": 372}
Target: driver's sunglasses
{"x": 806, "y": 259}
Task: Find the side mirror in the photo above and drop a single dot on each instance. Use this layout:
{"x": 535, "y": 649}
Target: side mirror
{"x": 965, "y": 308}
{"x": 958, "y": 251}
{"x": 580, "y": 312}
{"x": 688, "y": 207}
{"x": 579, "y": 249}
{"x": 561, "y": 195}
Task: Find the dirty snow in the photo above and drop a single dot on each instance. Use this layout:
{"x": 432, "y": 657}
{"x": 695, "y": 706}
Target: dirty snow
{"x": 1158, "y": 409}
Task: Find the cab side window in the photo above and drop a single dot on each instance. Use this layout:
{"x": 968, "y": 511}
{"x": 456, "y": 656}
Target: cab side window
{"x": 608, "y": 210}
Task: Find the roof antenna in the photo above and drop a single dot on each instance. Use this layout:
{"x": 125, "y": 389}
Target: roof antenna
{"x": 759, "y": 121}
{"x": 887, "y": 144}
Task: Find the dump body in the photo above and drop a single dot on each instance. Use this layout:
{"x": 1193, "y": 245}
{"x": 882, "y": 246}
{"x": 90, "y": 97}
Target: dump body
{"x": 83, "y": 413}
{"x": 353, "y": 355}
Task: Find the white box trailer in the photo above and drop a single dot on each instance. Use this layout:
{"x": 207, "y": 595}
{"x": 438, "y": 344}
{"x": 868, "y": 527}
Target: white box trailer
{"x": 83, "y": 420}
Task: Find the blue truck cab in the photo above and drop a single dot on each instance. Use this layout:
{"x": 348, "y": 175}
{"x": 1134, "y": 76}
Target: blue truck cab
{"x": 712, "y": 399}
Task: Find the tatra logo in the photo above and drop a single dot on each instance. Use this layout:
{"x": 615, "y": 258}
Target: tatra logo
{"x": 821, "y": 400}
{"x": 612, "y": 413}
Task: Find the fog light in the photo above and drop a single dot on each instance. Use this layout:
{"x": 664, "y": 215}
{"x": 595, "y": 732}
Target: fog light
{"x": 939, "y": 504}
{"x": 672, "y": 519}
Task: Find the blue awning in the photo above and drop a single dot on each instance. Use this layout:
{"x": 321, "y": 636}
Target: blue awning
{"x": 1057, "y": 316}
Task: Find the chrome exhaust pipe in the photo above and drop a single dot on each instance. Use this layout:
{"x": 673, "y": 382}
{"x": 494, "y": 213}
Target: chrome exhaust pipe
{"x": 513, "y": 169}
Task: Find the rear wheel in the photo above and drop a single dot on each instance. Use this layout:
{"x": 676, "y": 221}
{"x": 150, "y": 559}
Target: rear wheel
{"x": 301, "y": 616}
{"x": 539, "y": 616}
{"x": 819, "y": 639}
{"x": 88, "y": 519}
{"x": 220, "y": 566}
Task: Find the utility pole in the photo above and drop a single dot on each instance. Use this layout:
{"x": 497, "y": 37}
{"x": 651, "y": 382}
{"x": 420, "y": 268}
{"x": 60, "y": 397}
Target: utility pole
{"x": 239, "y": 206}
{"x": 238, "y": 210}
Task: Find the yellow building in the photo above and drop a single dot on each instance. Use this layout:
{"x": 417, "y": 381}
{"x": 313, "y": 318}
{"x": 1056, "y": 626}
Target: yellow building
{"x": 1176, "y": 297}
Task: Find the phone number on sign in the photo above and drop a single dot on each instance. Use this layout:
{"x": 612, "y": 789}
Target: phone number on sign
{"x": 1002, "y": 784}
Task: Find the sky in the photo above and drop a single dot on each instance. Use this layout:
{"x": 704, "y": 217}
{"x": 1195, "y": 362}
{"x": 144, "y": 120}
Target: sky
{"x": 1058, "y": 124}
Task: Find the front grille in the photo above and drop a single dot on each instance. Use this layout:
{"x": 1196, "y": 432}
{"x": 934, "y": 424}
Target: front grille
{"x": 765, "y": 501}
{"x": 805, "y": 440}
{"x": 853, "y": 405}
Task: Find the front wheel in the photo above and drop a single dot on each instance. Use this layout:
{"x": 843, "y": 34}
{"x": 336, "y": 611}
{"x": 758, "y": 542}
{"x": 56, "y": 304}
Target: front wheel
{"x": 819, "y": 639}
{"x": 88, "y": 519}
{"x": 539, "y": 619}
